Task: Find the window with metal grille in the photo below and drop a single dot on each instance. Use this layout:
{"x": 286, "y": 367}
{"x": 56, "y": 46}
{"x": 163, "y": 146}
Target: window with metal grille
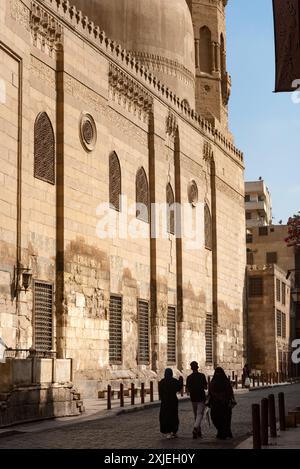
{"x": 247, "y": 198}
{"x": 208, "y": 227}
{"x": 271, "y": 257}
{"x": 170, "y": 210}
{"x": 143, "y": 325}
{"x": 44, "y": 149}
{"x": 278, "y": 292}
{"x": 114, "y": 182}
{"x": 248, "y": 215}
{"x": 171, "y": 326}
{"x": 279, "y": 323}
{"x": 283, "y": 326}
{"x": 115, "y": 330}
{"x": 255, "y": 286}
{"x": 283, "y": 293}
{"x": 209, "y": 339}
{"x": 263, "y": 231}
{"x": 142, "y": 196}
{"x": 43, "y": 316}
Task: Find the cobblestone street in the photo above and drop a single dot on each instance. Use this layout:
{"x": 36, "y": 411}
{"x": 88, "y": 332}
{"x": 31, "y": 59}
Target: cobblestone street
{"x": 141, "y": 429}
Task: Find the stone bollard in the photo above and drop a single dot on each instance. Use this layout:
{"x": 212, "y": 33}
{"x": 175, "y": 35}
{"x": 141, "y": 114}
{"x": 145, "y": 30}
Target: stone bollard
{"x": 121, "y": 395}
{"x": 256, "y": 426}
{"x": 272, "y": 416}
{"x": 132, "y": 393}
{"x": 236, "y": 382}
{"x": 108, "y": 397}
{"x": 151, "y": 392}
{"x": 264, "y": 422}
{"x": 281, "y": 411}
{"x": 142, "y": 393}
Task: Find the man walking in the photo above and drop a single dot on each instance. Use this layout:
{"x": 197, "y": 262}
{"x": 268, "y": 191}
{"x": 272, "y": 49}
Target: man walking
{"x": 196, "y": 385}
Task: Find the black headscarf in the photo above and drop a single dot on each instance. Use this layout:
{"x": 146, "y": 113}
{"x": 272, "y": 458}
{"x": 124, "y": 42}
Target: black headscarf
{"x": 220, "y": 382}
{"x": 168, "y": 373}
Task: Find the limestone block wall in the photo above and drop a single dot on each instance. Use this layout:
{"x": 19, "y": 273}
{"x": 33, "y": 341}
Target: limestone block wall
{"x": 59, "y": 237}
{"x": 231, "y": 260}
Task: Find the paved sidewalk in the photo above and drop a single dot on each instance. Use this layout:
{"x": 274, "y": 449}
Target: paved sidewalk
{"x": 290, "y": 439}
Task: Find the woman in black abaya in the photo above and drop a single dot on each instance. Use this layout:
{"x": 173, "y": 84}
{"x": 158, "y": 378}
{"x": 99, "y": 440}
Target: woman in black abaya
{"x": 168, "y": 416}
{"x": 221, "y": 401}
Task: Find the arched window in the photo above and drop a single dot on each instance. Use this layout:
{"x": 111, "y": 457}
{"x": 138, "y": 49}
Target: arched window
{"x": 142, "y": 196}
{"x": 208, "y": 227}
{"x": 44, "y": 149}
{"x": 170, "y": 210}
{"x": 223, "y": 56}
{"x": 205, "y": 50}
{"x": 114, "y": 182}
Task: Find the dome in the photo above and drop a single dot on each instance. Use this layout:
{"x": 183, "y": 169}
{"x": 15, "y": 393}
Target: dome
{"x": 159, "y": 33}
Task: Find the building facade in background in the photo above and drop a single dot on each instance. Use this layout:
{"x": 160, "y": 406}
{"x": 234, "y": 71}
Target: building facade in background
{"x": 258, "y": 204}
{"x": 125, "y": 118}
{"x": 269, "y": 294}
{"x": 266, "y": 246}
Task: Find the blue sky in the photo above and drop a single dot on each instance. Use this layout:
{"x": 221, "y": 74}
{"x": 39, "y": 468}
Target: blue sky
{"x": 266, "y": 125}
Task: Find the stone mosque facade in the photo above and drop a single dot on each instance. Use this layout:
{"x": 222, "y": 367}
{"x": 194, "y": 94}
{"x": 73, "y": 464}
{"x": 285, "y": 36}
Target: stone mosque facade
{"x": 119, "y": 102}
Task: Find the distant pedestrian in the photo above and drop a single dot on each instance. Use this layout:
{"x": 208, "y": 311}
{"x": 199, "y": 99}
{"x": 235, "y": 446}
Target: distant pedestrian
{"x": 168, "y": 416}
{"x": 246, "y": 376}
{"x": 196, "y": 385}
{"x": 221, "y": 401}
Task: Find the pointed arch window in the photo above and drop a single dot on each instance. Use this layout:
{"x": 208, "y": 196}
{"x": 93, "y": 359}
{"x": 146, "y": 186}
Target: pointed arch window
{"x": 115, "y": 182}
{"x": 208, "y": 227}
{"x": 223, "y": 56}
{"x": 170, "y": 210}
{"x": 205, "y": 50}
{"x": 44, "y": 149}
{"x": 142, "y": 196}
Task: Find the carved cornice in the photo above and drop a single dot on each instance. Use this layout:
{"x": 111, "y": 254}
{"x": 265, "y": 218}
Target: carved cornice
{"x": 127, "y": 92}
{"x": 47, "y": 32}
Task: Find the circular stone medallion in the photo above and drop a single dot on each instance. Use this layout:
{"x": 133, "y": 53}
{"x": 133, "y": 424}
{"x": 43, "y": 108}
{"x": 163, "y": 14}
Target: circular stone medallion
{"x": 88, "y": 132}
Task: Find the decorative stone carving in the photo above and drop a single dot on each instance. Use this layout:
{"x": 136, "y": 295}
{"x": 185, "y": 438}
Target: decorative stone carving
{"x": 128, "y": 93}
{"x": 193, "y": 194}
{"x": 47, "y": 32}
{"x": 20, "y": 13}
{"x": 171, "y": 125}
{"x": 42, "y": 71}
{"x": 208, "y": 153}
{"x": 88, "y": 132}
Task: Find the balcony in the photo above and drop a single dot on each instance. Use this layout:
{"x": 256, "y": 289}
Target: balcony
{"x": 256, "y": 205}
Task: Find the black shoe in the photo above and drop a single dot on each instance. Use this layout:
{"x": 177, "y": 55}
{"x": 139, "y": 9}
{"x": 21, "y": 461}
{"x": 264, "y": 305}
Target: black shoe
{"x": 195, "y": 434}
{"x": 199, "y": 434}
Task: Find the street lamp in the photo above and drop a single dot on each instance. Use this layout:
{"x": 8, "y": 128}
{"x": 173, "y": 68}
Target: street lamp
{"x": 22, "y": 280}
